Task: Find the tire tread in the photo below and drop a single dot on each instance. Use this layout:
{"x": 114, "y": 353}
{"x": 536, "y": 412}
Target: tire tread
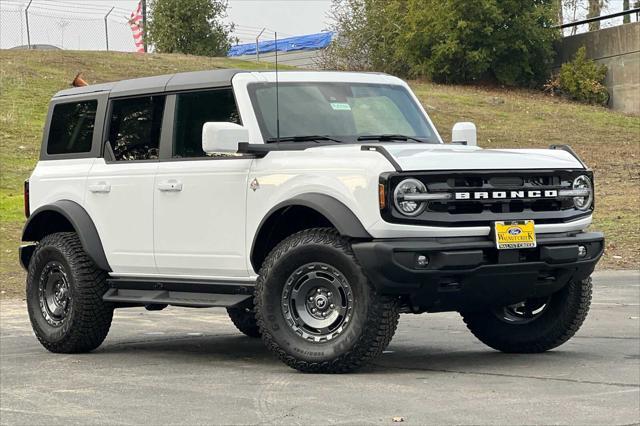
{"x": 578, "y": 301}
{"x": 379, "y": 327}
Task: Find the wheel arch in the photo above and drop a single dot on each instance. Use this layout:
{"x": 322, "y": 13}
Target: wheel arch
{"x": 66, "y": 216}
{"x": 302, "y": 212}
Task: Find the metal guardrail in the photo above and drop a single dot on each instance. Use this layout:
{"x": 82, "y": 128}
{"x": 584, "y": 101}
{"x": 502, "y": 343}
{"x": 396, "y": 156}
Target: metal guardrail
{"x": 598, "y": 18}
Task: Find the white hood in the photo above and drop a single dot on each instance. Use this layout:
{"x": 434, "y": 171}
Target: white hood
{"x": 413, "y": 157}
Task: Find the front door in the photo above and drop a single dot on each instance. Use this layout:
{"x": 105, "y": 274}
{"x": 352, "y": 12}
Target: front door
{"x": 200, "y": 200}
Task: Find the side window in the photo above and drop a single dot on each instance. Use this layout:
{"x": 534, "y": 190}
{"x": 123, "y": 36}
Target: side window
{"x": 134, "y": 132}
{"x": 71, "y": 129}
{"x": 192, "y": 111}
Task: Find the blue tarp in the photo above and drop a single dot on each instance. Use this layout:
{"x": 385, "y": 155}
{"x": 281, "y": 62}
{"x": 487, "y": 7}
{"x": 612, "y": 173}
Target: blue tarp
{"x": 305, "y": 42}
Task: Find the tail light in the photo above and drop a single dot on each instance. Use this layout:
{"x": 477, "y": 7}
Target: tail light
{"x": 27, "y": 210}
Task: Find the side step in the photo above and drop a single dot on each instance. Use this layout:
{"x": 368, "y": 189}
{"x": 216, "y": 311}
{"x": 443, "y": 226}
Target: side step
{"x": 176, "y": 298}
{"x": 188, "y": 293}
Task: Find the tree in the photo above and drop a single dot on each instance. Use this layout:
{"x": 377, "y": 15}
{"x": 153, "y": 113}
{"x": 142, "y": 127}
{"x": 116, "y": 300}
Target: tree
{"x": 366, "y": 32}
{"x": 351, "y": 49}
{"x": 595, "y": 8}
{"x": 192, "y": 27}
{"x": 560, "y": 7}
{"x": 571, "y": 9}
{"x": 626, "y": 6}
{"x": 582, "y": 79}
{"x": 453, "y": 41}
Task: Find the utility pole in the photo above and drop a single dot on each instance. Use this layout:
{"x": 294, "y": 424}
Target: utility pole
{"x": 144, "y": 24}
{"x": 26, "y": 17}
{"x": 106, "y": 27}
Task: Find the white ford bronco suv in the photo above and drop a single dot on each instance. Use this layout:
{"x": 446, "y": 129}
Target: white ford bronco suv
{"x": 315, "y": 206}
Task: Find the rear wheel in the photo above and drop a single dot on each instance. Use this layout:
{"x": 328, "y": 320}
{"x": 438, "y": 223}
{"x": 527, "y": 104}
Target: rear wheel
{"x": 534, "y": 325}
{"x": 316, "y": 309}
{"x": 64, "y": 296}
{"x": 244, "y": 319}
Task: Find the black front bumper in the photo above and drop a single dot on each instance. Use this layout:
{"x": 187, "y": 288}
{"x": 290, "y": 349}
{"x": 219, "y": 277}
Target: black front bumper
{"x": 469, "y": 272}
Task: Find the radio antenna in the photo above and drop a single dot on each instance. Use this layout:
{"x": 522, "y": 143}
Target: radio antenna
{"x": 277, "y": 94}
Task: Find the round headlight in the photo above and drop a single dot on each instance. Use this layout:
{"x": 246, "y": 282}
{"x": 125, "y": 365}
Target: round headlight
{"x": 583, "y": 183}
{"x": 409, "y": 207}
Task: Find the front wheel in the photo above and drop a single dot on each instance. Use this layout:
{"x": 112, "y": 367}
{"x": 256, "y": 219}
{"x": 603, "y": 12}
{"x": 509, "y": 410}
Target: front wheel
{"x": 316, "y": 309}
{"x": 534, "y": 325}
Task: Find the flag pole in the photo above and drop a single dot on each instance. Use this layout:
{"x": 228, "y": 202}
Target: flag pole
{"x": 144, "y": 24}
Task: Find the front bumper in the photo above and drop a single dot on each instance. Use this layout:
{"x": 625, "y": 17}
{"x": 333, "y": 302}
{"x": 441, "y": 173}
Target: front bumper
{"x": 465, "y": 273}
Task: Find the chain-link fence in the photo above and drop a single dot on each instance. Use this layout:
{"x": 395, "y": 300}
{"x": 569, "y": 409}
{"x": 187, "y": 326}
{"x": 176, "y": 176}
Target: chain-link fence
{"x": 94, "y": 25}
{"x": 75, "y": 25}
{"x": 63, "y": 25}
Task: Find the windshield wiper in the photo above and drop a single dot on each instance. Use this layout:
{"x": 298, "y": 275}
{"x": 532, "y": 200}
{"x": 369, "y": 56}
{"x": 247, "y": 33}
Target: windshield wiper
{"x": 389, "y": 138}
{"x": 306, "y": 138}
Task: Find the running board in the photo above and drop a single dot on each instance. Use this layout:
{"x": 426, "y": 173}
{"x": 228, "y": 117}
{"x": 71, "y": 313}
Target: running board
{"x": 189, "y": 293}
{"x": 175, "y": 298}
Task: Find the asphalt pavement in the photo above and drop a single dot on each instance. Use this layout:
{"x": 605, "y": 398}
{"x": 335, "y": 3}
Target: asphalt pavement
{"x": 190, "y": 366}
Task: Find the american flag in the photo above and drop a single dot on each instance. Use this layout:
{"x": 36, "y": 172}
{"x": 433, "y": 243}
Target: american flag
{"x": 136, "y": 27}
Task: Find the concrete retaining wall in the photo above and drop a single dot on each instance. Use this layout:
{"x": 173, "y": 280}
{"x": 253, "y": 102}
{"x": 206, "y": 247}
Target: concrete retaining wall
{"x": 619, "y": 49}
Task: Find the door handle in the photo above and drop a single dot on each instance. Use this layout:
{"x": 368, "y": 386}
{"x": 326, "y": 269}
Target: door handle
{"x": 170, "y": 185}
{"x": 100, "y": 188}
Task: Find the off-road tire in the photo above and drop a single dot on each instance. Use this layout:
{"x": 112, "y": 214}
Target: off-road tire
{"x": 565, "y": 313}
{"x": 374, "y": 320}
{"x": 88, "y": 318}
{"x": 244, "y": 318}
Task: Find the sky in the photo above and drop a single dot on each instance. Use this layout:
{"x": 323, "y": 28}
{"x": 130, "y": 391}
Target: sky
{"x": 79, "y": 24}
{"x": 288, "y": 17}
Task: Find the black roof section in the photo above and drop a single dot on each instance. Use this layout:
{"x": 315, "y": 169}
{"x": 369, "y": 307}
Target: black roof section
{"x": 158, "y": 84}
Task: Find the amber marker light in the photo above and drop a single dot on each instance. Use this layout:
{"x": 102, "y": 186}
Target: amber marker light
{"x": 382, "y": 199}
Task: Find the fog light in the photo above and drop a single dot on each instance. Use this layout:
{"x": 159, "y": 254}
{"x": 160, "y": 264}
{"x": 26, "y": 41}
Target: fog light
{"x": 582, "y": 251}
{"x": 422, "y": 261}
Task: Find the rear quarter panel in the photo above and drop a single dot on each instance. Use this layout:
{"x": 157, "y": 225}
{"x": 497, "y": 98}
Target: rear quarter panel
{"x": 54, "y": 180}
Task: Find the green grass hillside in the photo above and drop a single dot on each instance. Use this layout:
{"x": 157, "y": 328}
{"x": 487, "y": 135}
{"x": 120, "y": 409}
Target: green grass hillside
{"x": 609, "y": 142}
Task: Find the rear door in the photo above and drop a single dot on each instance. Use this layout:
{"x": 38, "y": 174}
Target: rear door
{"x": 120, "y": 186}
{"x": 200, "y": 200}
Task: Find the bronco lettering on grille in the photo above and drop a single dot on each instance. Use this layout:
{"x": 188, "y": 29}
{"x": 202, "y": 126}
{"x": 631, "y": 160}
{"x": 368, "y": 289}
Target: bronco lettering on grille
{"x": 497, "y": 195}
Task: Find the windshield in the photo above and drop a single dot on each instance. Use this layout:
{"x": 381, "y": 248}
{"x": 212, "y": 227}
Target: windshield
{"x": 344, "y": 111}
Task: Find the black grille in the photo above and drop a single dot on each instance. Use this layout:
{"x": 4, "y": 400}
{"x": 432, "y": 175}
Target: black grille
{"x": 470, "y": 212}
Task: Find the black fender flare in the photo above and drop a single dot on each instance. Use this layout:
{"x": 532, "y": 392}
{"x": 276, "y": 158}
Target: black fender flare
{"x": 340, "y": 216}
{"x": 36, "y": 227}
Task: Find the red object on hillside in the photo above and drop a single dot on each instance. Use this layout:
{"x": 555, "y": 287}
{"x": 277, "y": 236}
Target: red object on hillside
{"x": 135, "y": 22}
{"x": 78, "y": 81}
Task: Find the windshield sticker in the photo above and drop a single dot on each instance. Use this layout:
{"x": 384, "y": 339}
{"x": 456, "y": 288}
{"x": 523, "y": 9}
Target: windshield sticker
{"x": 340, "y": 106}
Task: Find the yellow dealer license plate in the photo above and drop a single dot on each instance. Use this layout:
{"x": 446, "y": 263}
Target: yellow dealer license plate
{"x": 515, "y": 235}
